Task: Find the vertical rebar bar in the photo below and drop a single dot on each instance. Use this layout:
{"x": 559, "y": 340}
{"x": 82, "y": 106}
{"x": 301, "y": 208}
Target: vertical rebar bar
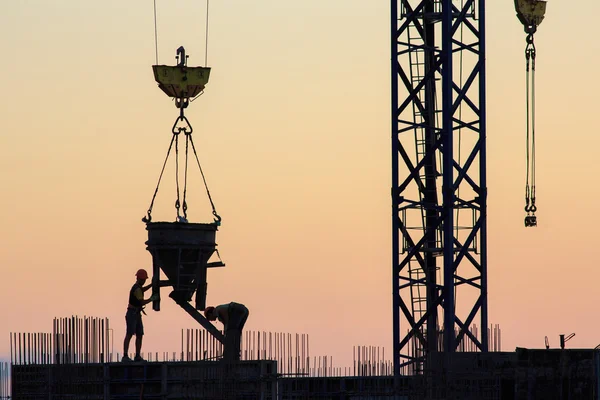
{"x": 20, "y": 353}
{"x": 33, "y": 348}
{"x": 58, "y": 339}
{"x": 75, "y": 339}
{"x": 71, "y": 322}
{"x": 86, "y": 339}
{"x": 90, "y": 338}
{"x": 109, "y": 341}
{"x": 96, "y": 341}
{"x": 202, "y": 346}
{"x": 54, "y": 347}
{"x": 63, "y": 344}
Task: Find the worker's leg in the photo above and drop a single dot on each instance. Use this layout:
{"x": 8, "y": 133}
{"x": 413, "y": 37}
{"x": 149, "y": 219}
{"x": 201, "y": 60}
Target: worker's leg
{"x": 138, "y": 345}
{"x": 126, "y": 344}
{"x": 229, "y": 346}
{"x": 238, "y": 314}
{"x": 237, "y": 345}
{"x": 139, "y": 336}
{"x": 130, "y": 322}
{"x": 231, "y": 350}
{"x": 243, "y": 318}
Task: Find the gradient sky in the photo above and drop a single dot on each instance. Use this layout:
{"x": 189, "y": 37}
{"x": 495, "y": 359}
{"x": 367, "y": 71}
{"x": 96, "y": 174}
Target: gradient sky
{"x": 293, "y": 134}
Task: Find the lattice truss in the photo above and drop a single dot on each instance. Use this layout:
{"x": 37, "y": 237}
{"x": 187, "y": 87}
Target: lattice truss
{"x": 438, "y": 178}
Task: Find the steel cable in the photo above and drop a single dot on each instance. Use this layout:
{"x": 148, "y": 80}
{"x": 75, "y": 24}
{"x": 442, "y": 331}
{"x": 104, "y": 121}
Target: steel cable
{"x": 204, "y": 180}
{"x": 148, "y": 218}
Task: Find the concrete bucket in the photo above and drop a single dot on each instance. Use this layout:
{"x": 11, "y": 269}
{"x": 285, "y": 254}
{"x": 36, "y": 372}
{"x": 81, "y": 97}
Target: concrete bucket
{"x": 181, "y": 251}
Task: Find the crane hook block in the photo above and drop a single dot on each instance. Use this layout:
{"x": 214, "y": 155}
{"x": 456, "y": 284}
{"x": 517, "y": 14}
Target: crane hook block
{"x": 181, "y": 81}
{"x": 530, "y": 13}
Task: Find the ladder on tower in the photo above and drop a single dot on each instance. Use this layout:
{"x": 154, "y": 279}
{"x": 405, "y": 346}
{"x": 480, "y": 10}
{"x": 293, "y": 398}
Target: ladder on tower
{"x": 418, "y": 288}
{"x": 418, "y": 294}
{"x": 416, "y": 55}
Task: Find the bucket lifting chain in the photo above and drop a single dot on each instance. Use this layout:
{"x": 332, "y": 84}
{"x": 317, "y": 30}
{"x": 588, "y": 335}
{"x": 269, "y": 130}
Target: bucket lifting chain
{"x": 181, "y": 126}
{"x": 531, "y": 14}
{"x": 530, "y": 207}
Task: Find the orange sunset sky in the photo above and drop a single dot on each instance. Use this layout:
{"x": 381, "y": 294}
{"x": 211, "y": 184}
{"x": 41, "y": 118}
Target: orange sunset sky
{"x": 293, "y": 133}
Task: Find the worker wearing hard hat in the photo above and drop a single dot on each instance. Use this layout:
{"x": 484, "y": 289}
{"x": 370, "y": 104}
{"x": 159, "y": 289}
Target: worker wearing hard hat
{"x": 133, "y": 317}
{"x": 233, "y": 316}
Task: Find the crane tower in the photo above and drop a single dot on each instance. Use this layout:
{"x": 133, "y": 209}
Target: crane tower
{"x": 438, "y": 179}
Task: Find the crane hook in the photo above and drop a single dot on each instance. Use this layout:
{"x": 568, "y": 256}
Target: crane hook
{"x": 181, "y": 57}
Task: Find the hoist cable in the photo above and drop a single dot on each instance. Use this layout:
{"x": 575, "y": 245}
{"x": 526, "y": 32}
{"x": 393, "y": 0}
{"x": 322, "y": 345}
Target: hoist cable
{"x": 148, "y": 218}
{"x": 205, "y": 48}
{"x": 206, "y": 36}
{"x": 204, "y": 180}
{"x": 155, "y": 33}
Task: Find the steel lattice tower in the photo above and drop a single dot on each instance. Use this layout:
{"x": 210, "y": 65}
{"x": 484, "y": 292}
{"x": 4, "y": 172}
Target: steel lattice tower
{"x": 438, "y": 179}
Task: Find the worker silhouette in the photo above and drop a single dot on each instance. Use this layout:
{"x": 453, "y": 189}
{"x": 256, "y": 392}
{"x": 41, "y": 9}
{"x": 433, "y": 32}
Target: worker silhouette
{"x": 233, "y": 316}
{"x": 133, "y": 317}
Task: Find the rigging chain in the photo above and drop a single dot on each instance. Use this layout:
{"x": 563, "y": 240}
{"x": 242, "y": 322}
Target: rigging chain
{"x": 530, "y": 207}
{"x": 184, "y": 205}
{"x": 177, "y": 203}
{"x": 148, "y": 217}
{"x": 214, "y": 211}
{"x": 187, "y": 130}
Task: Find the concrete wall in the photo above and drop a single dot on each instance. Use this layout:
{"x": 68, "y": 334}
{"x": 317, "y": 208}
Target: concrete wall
{"x": 557, "y": 374}
{"x": 120, "y": 381}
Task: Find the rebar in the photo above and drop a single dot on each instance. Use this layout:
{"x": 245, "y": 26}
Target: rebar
{"x": 86, "y": 340}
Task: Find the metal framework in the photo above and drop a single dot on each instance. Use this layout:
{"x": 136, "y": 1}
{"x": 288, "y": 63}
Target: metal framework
{"x": 438, "y": 178}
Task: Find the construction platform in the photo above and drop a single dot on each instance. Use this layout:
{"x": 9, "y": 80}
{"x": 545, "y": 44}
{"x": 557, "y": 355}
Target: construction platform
{"x": 522, "y": 375}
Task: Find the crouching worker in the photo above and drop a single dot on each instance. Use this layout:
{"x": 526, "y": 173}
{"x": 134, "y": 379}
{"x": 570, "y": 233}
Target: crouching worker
{"x": 233, "y": 316}
{"x": 133, "y": 317}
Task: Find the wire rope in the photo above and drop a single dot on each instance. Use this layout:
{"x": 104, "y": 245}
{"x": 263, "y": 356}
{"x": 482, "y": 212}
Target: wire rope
{"x": 155, "y": 34}
{"x": 206, "y": 35}
{"x": 148, "y": 217}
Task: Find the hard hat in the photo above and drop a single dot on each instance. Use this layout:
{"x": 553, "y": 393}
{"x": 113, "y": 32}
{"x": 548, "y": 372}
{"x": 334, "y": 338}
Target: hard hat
{"x": 141, "y": 274}
{"x": 208, "y": 313}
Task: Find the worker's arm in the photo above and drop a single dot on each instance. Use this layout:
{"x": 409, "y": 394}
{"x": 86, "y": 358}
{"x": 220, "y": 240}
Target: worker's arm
{"x": 139, "y": 294}
{"x": 146, "y": 287}
{"x": 149, "y": 300}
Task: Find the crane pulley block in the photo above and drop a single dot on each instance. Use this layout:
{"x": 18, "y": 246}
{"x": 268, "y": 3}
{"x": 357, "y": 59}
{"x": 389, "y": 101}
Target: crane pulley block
{"x": 180, "y": 81}
{"x": 530, "y": 13}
